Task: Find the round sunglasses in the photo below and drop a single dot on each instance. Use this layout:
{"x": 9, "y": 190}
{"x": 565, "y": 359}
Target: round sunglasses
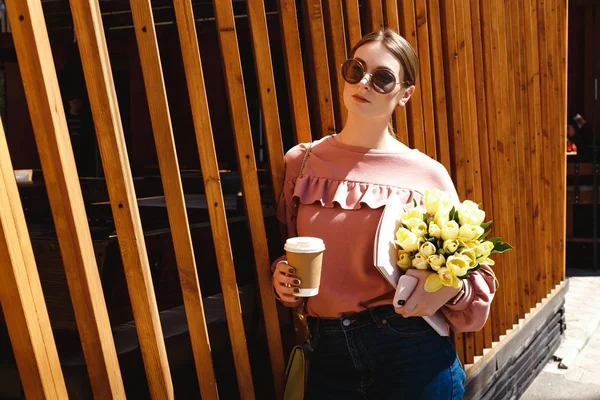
{"x": 383, "y": 80}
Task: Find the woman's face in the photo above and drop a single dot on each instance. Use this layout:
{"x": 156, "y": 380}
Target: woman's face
{"x": 361, "y": 99}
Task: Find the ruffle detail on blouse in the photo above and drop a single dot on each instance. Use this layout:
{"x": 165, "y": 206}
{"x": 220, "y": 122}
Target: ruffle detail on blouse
{"x": 349, "y": 195}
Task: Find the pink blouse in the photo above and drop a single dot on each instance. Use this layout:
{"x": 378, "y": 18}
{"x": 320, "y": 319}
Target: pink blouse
{"x": 339, "y": 198}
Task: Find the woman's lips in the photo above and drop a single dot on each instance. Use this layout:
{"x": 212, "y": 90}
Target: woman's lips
{"x": 360, "y": 99}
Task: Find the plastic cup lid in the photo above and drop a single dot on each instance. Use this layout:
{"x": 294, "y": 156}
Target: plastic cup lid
{"x": 304, "y": 244}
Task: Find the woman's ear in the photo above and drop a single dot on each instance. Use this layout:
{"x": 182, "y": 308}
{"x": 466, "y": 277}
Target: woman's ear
{"x": 406, "y": 95}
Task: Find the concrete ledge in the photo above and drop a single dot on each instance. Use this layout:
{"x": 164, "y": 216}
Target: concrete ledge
{"x": 506, "y": 370}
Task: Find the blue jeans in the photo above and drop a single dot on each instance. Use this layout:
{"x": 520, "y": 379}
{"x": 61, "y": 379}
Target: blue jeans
{"x": 378, "y": 354}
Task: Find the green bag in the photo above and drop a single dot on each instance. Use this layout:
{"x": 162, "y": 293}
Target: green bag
{"x": 296, "y": 373}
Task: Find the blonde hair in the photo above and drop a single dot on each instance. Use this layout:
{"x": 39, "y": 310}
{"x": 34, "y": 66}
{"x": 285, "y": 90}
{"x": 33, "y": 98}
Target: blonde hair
{"x": 401, "y": 49}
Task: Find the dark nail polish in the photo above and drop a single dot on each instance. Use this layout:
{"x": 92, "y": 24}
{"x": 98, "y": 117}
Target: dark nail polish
{"x": 401, "y": 302}
{"x": 296, "y": 290}
{"x": 292, "y": 271}
{"x": 296, "y": 282}
{"x": 297, "y": 298}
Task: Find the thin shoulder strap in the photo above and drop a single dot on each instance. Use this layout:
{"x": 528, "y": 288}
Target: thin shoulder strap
{"x": 305, "y": 159}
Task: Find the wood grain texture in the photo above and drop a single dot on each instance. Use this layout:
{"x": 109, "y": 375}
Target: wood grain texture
{"x": 399, "y": 117}
{"x": 438, "y": 84}
{"x": 111, "y": 140}
{"x": 374, "y": 15}
{"x": 353, "y": 25}
{"x": 290, "y": 37}
{"x": 336, "y": 47}
{"x": 313, "y": 10}
{"x": 21, "y": 297}
{"x": 64, "y": 193}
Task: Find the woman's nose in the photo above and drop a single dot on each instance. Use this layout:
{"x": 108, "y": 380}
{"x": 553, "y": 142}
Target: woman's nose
{"x": 365, "y": 79}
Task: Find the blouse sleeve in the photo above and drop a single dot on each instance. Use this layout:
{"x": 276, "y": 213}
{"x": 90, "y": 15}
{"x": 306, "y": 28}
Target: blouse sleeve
{"x": 470, "y": 313}
{"x": 287, "y": 208}
{"x": 473, "y": 309}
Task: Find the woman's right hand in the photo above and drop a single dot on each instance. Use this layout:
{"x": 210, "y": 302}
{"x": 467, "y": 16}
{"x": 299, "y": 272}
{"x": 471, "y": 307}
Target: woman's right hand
{"x": 286, "y": 284}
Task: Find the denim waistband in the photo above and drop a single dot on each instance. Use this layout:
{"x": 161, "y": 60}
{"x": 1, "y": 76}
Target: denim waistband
{"x": 372, "y": 316}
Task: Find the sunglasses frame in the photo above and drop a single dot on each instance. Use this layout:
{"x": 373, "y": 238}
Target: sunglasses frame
{"x": 375, "y": 87}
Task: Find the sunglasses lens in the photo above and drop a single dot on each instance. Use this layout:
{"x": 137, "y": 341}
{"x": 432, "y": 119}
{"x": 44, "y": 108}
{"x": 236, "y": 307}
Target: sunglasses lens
{"x": 352, "y": 71}
{"x": 383, "y": 81}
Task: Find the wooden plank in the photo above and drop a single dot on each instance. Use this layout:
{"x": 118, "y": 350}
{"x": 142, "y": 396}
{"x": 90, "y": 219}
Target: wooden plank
{"x": 334, "y": 31}
{"x": 111, "y": 140}
{"x": 498, "y": 312}
{"x": 483, "y": 339}
{"x": 439, "y": 91}
{"x": 453, "y": 94}
{"x": 546, "y": 237}
{"x": 245, "y": 151}
{"x": 452, "y": 73}
{"x": 505, "y": 142}
{"x": 425, "y": 77}
{"x": 524, "y": 250}
{"x": 400, "y": 122}
{"x": 266, "y": 84}
{"x": 58, "y": 166}
{"x": 563, "y": 39}
{"x": 534, "y": 127}
{"x": 353, "y": 25}
{"x": 290, "y": 38}
{"x": 210, "y": 172}
{"x": 21, "y": 294}
{"x": 507, "y": 146}
{"x": 320, "y": 67}
{"x": 408, "y": 29}
{"x": 374, "y": 15}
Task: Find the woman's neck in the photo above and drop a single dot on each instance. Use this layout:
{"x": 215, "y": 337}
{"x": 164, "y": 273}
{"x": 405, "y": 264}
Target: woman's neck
{"x": 367, "y": 133}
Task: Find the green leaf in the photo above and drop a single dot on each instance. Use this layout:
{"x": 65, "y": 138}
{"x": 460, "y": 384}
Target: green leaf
{"x": 501, "y": 247}
{"x": 404, "y": 226}
{"x": 484, "y": 235}
{"x": 451, "y": 214}
{"x": 485, "y": 225}
{"x": 494, "y": 240}
{"x": 425, "y": 215}
{"x": 415, "y": 202}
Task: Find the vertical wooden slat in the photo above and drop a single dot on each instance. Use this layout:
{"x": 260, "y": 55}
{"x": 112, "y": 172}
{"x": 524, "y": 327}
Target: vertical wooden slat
{"x": 288, "y": 23}
{"x": 505, "y": 136}
{"x": 96, "y": 65}
{"x": 439, "y": 91}
{"x": 268, "y": 98}
{"x": 408, "y": 30}
{"x": 334, "y": 30}
{"x": 245, "y": 151}
{"x": 490, "y": 65}
{"x": 545, "y": 148}
{"x": 21, "y": 294}
{"x": 452, "y": 78}
{"x": 563, "y": 39}
{"x": 374, "y": 14}
{"x": 483, "y": 338}
{"x": 64, "y": 193}
{"x": 534, "y": 128}
{"x": 353, "y": 26}
{"x": 425, "y": 77}
{"x": 523, "y": 200}
{"x": 320, "y": 67}
{"x": 212, "y": 185}
{"x": 400, "y": 122}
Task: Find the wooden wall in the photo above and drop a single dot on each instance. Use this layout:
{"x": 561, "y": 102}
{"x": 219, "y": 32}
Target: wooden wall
{"x": 490, "y": 105}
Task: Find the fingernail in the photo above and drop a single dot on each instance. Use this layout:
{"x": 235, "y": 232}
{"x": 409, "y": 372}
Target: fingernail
{"x": 296, "y": 290}
{"x": 297, "y": 298}
{"x": 401, "y": 302}
{"x": 296, "y": 282}
{"x": 292, "y": 271}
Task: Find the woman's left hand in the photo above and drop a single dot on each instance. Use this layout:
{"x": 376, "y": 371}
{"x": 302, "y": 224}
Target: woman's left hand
{"x": 421, "y": 303}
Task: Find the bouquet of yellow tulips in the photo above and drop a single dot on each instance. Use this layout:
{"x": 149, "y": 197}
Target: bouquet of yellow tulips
{"x": 446, "y": 238}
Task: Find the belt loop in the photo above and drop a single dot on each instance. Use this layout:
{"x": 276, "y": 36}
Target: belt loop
{"x": 375, "y": 318}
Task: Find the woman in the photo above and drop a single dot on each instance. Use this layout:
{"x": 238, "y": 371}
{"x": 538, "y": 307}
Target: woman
{"x": 364, "y": 347}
